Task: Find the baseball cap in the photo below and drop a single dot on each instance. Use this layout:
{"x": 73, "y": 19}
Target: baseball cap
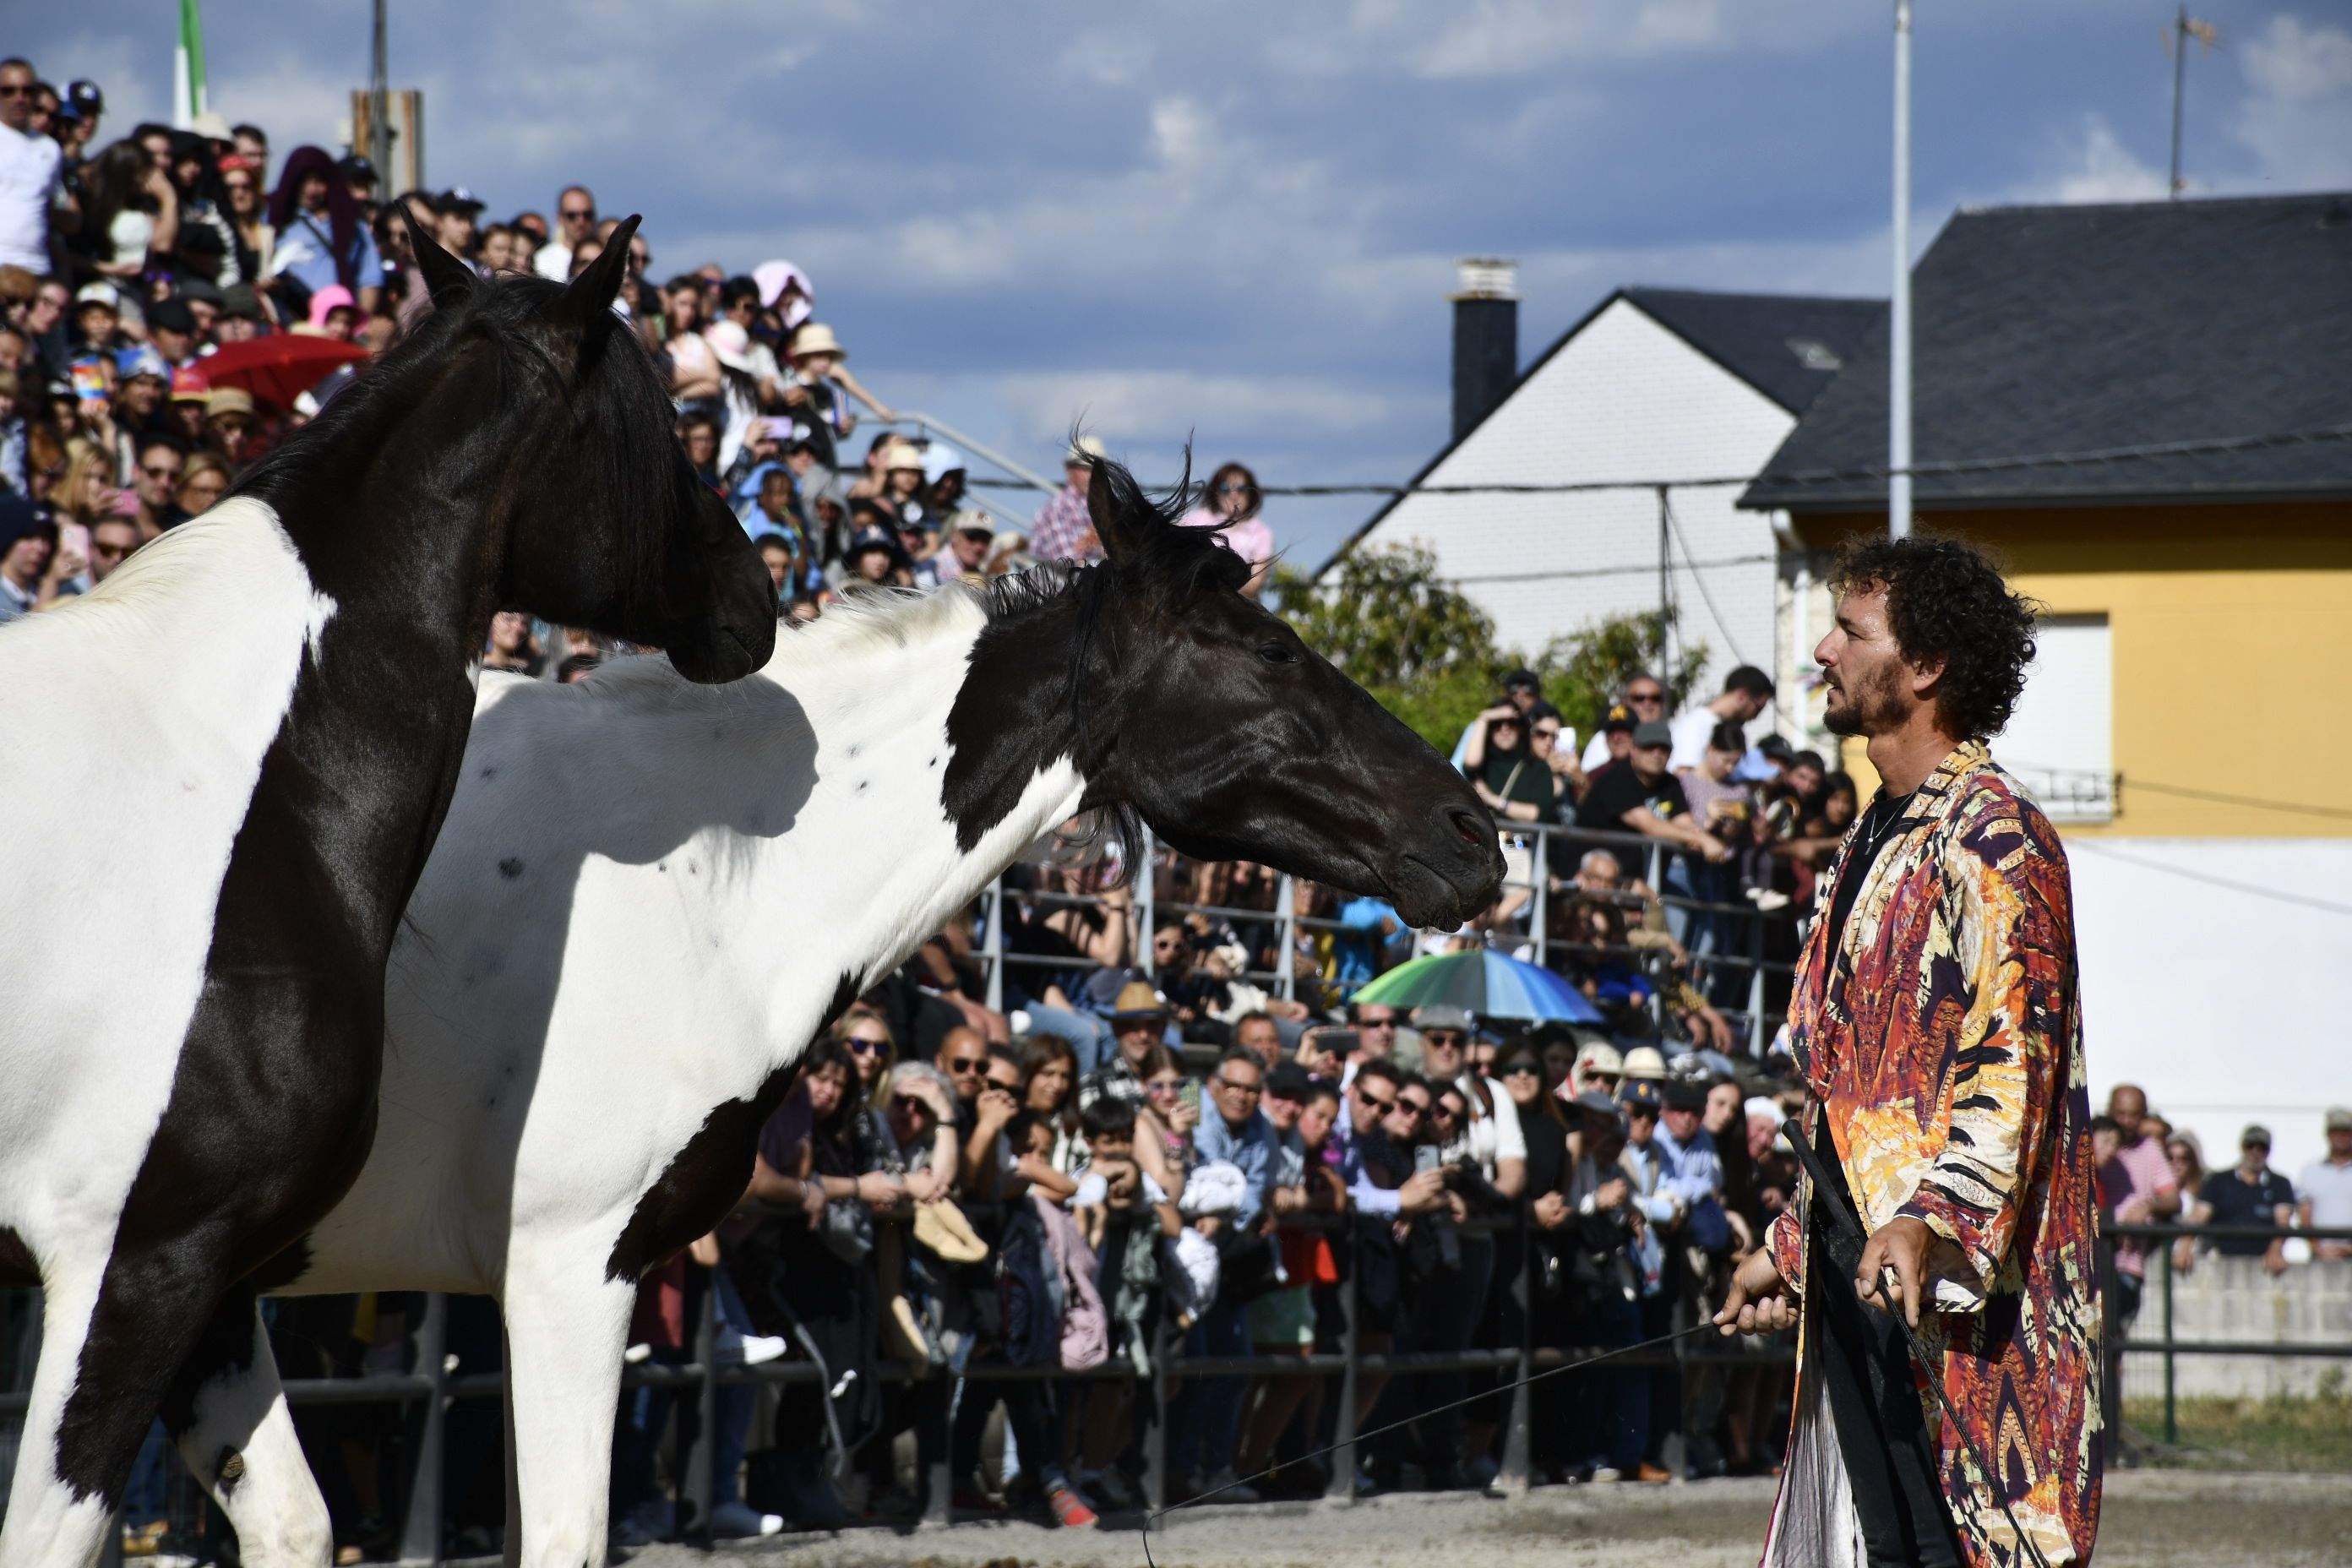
{"x": 2256, "y": 1133}
{"x": 200, "y": 288}
{"x": 173, "y": 315}
{"x": 85, "y": 98}
{"x": 2339, "y": 1118}
{"x": 1651, "y": 733}
{"x": 974, "y": 522}
{"x": 241, "y": 299}
{"x": 1441, "y": 1015}
{"x": 359, "y": 169}
{"x": 98, "y": 293}
{"x": 1289, "y": 1080}
{"x": 1619, "y": 717}
{"x": 188, "y": 385}
{"x": 1686, "y": 1094}
{"x": 1640, "y": 1094}
{"x": 141, "y": 361}
{"x": 458, "y": 199}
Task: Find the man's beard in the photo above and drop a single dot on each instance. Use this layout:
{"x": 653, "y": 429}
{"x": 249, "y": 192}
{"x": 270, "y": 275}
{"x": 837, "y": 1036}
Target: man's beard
{"x": 1868, "y": 703}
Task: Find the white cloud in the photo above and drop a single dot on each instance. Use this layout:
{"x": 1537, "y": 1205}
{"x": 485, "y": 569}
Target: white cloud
{"x": 2094, "y": 166}
{"x": 1495, "y": 39}
{"x": 1106, "y": 59}
{"x": 1152, "y": 405}
{"x": 2297, "y": 120}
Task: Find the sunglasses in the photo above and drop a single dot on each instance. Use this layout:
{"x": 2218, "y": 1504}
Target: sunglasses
{"x": 1164, "y": 1086}
{"x": 1378, "y": 1024}
{"x": 159, "y": 473}
{"x": 1645, "y": 697}
{"x": 577, "y": 211}
{"x": 1409, "y": 1108}
{"x": 1445, "y": 1039}
{"x": 865, "y": 1045}
{"x": 963, "y": 1066}
{"x": 1516, "y": 1069}
{"x": 1548, "y": 732}
{"x": 15, "y": 93}
{"x": 1386, "y": 1105}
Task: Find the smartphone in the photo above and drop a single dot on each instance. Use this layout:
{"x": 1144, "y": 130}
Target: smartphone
{"x": 1332, "y": 1038}
{"x": 1425, "y": 1158}
{"x": 1191, "y": 1093}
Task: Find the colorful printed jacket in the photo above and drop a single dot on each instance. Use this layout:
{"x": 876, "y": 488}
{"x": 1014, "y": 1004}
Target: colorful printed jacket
{"x": 1943, "y": 1041}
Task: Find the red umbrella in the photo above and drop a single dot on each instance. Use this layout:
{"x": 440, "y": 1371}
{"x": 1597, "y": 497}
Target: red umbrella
{"x": 280, "y": 368}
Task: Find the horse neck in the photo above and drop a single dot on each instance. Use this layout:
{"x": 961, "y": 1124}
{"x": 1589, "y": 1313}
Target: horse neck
{"x": 398, "y": 518}
{"x": 916, "y": 794}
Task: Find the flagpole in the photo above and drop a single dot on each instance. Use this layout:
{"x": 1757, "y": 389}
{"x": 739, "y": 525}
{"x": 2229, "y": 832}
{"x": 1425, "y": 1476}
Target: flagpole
{"x": 1898, "y": 391}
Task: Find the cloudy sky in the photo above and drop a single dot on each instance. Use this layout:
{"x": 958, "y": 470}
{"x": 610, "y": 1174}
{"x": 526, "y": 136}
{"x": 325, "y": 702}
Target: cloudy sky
{"x": 1239, "y": 221}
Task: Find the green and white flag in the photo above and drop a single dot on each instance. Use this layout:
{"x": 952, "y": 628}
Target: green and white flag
{"x": 188, "y": 67}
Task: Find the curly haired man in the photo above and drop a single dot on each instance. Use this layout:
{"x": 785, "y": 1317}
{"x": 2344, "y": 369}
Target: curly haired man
{"x": 1934, "y": 1017}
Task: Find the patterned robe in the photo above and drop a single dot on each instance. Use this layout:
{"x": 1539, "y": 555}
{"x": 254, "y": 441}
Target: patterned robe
{"x": 1943, "y": 1041}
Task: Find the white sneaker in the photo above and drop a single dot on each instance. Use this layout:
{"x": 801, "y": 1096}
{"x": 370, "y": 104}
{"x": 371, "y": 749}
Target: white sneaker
{"x": 740, "y": 1521}
{"x": 1769, "y": 899}
{"x": 1603, "y": 1474}
{"x": 760, "y": 1349}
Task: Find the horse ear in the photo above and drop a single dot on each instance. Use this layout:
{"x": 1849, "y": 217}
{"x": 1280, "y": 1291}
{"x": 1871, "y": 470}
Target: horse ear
{"x": 1113, "y": 523}
{"x": 447, "y": 278}
{"x": 591, "y": 295}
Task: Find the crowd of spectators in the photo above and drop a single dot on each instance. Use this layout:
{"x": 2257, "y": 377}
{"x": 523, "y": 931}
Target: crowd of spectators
{"x": 127, "y": 264}
{"x": 1127, "y": 1147}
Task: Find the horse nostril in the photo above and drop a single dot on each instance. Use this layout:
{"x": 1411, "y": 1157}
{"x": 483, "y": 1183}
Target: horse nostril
{"x": 1467, "y": 823}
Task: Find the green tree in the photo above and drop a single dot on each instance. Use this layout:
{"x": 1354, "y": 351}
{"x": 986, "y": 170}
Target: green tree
{"x": 1394, "y": 626}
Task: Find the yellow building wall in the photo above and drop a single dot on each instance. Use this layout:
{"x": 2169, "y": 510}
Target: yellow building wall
{"x": 2232, "y": 635}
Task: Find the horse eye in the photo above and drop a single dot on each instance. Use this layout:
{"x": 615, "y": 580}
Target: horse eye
{"x": 1278, "y": 653}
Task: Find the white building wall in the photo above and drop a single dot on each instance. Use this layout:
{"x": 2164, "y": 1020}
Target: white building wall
{"x": 2228, "y": 1006}
{"x": 1625, "y": 399}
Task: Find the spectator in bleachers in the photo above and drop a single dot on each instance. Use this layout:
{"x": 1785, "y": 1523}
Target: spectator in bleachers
{"x": 2324, "y": 1187}
{"x": 31, "y": 163}
{"x": 2148, "y": 1195}
{"x": 1642, "y": 700}
{"x": 1641, "y": 795}
{"x": 1747, "y": 693}
{"x": 1139, "y": 1021}
{"x": 1231, "y": 503}
{"x": 2247, "y": 1194}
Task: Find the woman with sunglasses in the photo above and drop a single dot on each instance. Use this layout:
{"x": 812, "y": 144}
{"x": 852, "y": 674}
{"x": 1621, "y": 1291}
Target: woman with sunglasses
{"x": 1231, "y": 503}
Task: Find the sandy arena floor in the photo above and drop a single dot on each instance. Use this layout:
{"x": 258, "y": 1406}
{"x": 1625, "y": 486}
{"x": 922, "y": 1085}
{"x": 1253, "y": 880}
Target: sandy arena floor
{"x": 2151, "y": 1518}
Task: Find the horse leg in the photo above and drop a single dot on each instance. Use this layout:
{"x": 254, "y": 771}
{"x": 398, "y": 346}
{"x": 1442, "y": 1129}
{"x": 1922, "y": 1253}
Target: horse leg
{"x": 51, "y": 1518}
{"x": 567, "y": 1325}
{"x": 117, "y": 1332}
{"x": 228, "y": 1412}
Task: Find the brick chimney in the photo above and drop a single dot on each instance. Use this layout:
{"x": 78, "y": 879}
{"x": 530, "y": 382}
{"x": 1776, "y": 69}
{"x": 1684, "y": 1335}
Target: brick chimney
{"x": 1486, "y": 338}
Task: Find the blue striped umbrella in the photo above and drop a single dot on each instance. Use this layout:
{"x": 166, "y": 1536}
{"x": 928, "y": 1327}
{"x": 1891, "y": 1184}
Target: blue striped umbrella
{"x": 1486, "y": 983}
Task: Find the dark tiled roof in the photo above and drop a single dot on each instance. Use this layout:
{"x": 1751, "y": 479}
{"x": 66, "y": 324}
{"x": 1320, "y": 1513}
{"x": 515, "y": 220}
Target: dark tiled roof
{"x": 1787, "y": 347}
{"x": 2085, "y": 329}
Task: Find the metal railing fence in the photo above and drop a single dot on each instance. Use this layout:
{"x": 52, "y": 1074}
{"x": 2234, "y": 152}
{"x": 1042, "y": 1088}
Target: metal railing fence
{"x": 436, "y": 1386}
{"x": 1734, "y": 937}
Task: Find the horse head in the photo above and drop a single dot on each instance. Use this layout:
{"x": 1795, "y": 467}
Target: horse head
{"x": 609, "y": 528}
{"x": 1206, "y": 713}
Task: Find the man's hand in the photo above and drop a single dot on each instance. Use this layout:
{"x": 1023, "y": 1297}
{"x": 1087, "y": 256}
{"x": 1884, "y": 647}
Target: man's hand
{"x": 1208, "y": 1224}
{"x": 880, "y": 1189}
{"x": 994, "y": 1108}
{"x": 812, "y": 1201}
{"x": 1550, "y": 1211}
{"x": 2274, "y": 1259}
{"x": 1713, "y": 848}
{"x": 1613, "y": 1193}
{"x": 1421, "y": 1191}
{"x": 1901, "y": 1244}
{"x": 1758, "y": 1302}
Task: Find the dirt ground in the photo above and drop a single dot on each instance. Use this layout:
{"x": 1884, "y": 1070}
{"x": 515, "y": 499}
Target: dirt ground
{"x": 2150, "y": 1517}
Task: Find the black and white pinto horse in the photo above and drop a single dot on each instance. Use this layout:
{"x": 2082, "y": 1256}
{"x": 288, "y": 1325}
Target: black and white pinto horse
{"x": 224, "y": 769}
{"x": 649, "y": 898}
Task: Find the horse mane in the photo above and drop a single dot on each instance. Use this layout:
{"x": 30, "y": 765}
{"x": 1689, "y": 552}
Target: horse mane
{"x": 513, "y": 313}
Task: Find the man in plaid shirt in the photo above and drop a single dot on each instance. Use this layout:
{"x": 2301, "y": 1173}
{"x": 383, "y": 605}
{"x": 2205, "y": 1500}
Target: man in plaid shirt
{"x": 1063, "y": 530}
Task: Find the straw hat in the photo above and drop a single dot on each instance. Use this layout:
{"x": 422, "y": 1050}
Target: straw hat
{"x": 1645, "y": 1062}
{"x": 1137, "y": 999}
{"x": 902, "y": 455}
{"x": 228, "y": 400}
{"x": 816, "y": 338}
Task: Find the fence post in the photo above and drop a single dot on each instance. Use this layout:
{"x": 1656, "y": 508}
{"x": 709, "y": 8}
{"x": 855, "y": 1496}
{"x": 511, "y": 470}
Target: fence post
{"x": 702, "y": 1464}
{"x": 1538, "y": 908}
{"x": 939, "y": 1481}
{"x": 1155, "y": 1445}
{"x": 1290, "y": 928}
{"x": 420, "y": 1530}
{"x": 2171, "y": 1413}
{"x": 1756, "y": 984}
{"x": 993, "y": 944}
{"x": 1342, "y": 1484}
{"x": 1146, "y": 877}
{"x": 1517, "y": 1445}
